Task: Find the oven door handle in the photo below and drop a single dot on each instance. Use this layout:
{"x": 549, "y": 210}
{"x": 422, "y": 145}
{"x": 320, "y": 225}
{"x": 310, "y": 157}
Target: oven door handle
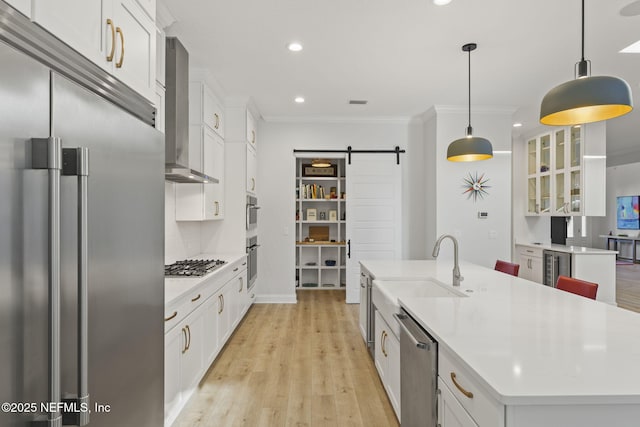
{"x": 253, "y": 207}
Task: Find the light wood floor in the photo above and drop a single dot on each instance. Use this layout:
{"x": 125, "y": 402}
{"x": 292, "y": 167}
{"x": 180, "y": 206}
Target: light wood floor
{"x": 299, "y": 364}
{"x": 628, "y": 287}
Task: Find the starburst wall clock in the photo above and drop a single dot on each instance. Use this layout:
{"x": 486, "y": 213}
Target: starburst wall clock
{"x": 475, "y": 186}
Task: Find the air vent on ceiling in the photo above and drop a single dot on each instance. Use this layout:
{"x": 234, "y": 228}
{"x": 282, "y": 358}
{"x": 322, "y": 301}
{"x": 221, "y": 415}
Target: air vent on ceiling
{"x": 358, "y": 101}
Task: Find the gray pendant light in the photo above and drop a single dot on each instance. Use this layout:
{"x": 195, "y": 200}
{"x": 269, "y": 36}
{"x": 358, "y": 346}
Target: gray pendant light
{"x": 586, "y": 99}
{"x": 471, "y": 148}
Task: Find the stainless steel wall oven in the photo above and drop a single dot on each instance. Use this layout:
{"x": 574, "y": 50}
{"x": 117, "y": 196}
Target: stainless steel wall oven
{"x": 252, "y": 260}
{"x": 252, "y": 212}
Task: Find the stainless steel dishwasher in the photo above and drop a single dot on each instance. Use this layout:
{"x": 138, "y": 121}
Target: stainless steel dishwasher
{"x": 418, "y": 374}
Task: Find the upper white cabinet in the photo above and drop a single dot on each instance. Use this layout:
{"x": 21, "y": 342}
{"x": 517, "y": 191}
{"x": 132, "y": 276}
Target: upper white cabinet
{"x": 117, "y": 35}
{"x": 82, "y": 24}
{"x": 199, "y": 202}
{"x": 23, "y": 6}
{"x": 252, "y": 171}
{"x": 252, "y": 131}
{"x": 566, "y": 171}
{"x": 204, "y": 108}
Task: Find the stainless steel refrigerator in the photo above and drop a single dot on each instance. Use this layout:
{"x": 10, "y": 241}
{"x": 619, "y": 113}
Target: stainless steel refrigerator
{"x": 81, "y": 244}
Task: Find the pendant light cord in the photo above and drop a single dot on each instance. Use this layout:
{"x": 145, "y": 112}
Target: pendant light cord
{"x": 582, "y": 59}
{"x": 470, "y": 87}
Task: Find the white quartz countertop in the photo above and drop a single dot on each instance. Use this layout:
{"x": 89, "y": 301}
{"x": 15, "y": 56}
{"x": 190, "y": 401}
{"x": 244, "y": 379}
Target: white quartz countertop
{"x": 581, "y": 250}
{"x": 529, "y": 343}
{"x": 174, "y": 287}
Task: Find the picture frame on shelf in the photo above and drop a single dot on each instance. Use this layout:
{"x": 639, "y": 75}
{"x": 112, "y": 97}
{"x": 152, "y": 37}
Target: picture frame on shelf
{"x": 333, "y": 215}
{"x": 309, "y": 171}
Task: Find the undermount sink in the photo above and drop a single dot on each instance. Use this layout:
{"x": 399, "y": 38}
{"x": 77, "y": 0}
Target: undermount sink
{"x": 385, "y": 295}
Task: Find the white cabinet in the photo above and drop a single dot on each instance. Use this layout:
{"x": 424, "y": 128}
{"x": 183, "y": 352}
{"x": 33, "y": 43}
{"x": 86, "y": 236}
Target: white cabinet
{"x": 174, "y": 344}
{"x": 531, "y": 266}
{"x": 192, "y": 362}
{"x": 205, "y": 108}
{"x": 450, "y": 411}
{"x": 117, "y": 35}
{"x": 196, "y": 328}
{"x": 566, "y": 171}
{"x": 387, "y": 360}
{"x": 465, "y": 394}
{"x": 198, "y": 202}
{"x": 135, "y": 60}
{"x": 252, "y": 171}
{"x": 159, "y": 103}
{"x": 362, "y": 311}
{"x": 23, "y": 6}
{"x": 82, "y": 24}
{"x": 225, "y": 307}
{"x": 210, "y": 330}
{"x": 252, "y": 130}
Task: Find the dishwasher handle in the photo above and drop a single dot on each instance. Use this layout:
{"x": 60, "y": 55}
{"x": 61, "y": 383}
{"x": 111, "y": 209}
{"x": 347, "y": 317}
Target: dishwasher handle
{"x": 401, "y": 318}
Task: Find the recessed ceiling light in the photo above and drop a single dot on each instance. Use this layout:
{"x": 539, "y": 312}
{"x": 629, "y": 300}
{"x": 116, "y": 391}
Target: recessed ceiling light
{"x": 632, "y": 48}
{"x": 299, "y": 99}
{"x": 441, "y": 2}
{"x": 294, "y": 47}
{"x": 517, "y": 125}
{"x": 358, "y": 101}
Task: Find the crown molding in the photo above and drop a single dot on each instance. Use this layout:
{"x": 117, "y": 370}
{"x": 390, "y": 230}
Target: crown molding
{"x": 343, "y": 119}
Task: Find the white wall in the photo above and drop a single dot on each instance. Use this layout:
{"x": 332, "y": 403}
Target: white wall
{"x": 621, "y": 181}
{"x": 181, "y": 239}
{"x": 482, "y": 241}
{"x": 276, "y": 174}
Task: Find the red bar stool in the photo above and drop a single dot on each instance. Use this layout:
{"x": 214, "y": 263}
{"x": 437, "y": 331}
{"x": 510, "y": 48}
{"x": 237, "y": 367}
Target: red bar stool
{"x": 577, "y": 286}
{"x": 507, "y": 267}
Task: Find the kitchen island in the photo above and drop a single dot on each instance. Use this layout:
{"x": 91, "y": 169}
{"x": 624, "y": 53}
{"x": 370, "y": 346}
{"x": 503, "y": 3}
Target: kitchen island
{"x": 532, "y": 355}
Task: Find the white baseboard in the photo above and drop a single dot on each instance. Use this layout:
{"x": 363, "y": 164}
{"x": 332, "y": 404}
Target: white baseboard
{"x": 276, "y": 299}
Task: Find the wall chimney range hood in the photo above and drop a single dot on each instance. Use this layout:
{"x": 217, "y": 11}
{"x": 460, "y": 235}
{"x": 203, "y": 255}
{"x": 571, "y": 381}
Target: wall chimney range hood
{"x": 177, "y": 167}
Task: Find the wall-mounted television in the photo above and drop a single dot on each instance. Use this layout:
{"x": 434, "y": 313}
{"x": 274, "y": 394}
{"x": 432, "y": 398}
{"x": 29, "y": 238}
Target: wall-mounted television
{"x": 628, "y": 212}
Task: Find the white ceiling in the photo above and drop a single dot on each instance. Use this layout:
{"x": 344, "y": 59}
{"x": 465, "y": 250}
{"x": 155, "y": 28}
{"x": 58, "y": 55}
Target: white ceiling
{"x": 404, "y": 56}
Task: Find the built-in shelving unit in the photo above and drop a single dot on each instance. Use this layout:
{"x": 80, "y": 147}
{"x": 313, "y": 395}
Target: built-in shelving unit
{"x": 320, "y": 238}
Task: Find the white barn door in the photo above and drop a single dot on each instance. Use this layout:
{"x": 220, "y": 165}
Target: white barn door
{"x": 373, "y": 214}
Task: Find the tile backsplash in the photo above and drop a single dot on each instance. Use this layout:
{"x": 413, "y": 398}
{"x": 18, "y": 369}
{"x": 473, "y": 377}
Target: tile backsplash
{"x": 182, "y": 239}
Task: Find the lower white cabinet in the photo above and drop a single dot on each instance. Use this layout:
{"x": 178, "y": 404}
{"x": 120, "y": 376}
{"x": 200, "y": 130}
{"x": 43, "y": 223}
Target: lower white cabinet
{"x": 196, "y": 329}
{"x": 362, "y": 315}
{"x": 530, "y": 260}
{"x": 387, "y": 360}
{"x": 450, "y": 411}
{"x": 192, "y": 361}
{"x": 466, "y": 396}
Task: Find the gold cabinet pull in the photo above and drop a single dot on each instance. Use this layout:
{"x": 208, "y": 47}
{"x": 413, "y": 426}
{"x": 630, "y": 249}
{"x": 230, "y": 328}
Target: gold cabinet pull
{"x": 196, "y": 298}
{"x": 462, "y": 390}
{"x": 175, "y": 313}
{"x": 188, "y": 342}
{"x": 113, "y": 40}
{"x": 217, "y": 117}
{"x": 119, "y": 63}
{"x": 253, "y": 136}
{"x": 253, "y": 184}
{"x": 184, "y": 332}
{"x": 241, "y": 284}
{"x": 220, "y": 304}
{"x": 217, "y": 208}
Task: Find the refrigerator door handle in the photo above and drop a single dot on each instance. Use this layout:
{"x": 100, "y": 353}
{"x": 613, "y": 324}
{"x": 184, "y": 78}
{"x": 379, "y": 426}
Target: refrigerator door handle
{"x": 46, "y": 153}
{"x": 75, "y": 162}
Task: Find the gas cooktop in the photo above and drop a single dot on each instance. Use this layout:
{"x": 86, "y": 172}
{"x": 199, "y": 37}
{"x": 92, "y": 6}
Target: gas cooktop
{"x": 192, "y": 268}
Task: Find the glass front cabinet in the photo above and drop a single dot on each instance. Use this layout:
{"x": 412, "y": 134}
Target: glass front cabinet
{"x": 565, "y": 175}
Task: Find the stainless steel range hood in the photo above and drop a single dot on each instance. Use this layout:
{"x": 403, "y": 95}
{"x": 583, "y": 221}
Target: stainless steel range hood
{"x": 177, "y": 167}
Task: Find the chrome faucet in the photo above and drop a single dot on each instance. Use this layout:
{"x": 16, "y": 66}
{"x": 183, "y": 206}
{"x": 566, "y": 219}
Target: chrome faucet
{"x": 457, "y": 277}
